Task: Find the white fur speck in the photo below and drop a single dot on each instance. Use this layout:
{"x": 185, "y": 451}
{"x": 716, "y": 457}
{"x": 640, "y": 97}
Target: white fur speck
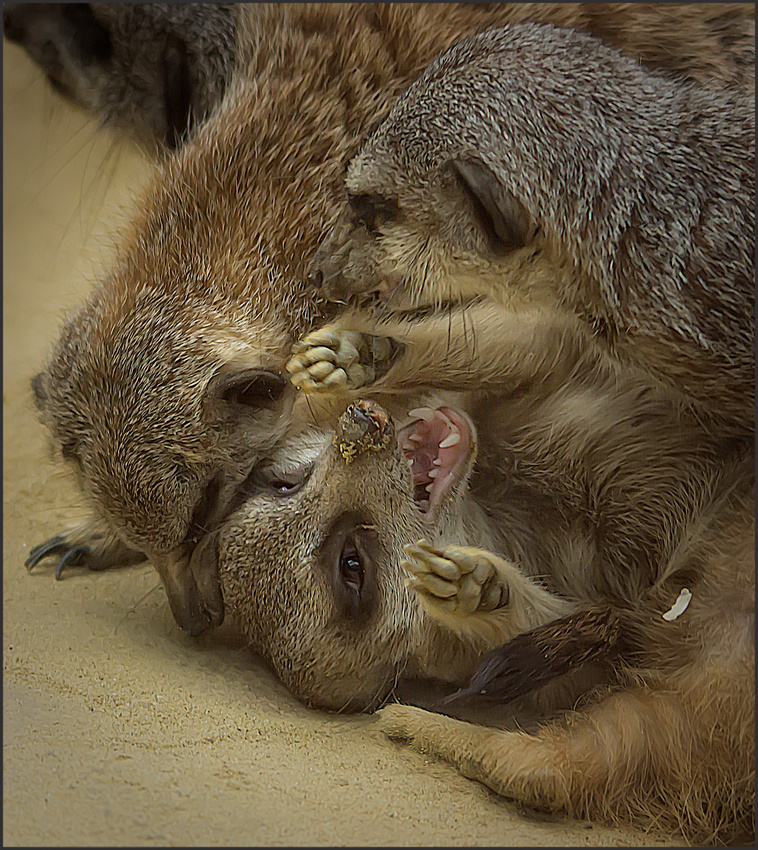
{"x": 680, "y": 606}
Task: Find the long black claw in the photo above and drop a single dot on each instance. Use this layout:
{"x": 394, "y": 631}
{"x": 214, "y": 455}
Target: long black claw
{"x": 73, "y": 558}
{"x": 49, "y": 547}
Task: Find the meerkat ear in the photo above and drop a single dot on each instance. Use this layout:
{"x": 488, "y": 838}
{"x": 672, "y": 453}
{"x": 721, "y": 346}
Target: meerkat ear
{"x": 500, "y": 212}
{"x": 254, "y": 388}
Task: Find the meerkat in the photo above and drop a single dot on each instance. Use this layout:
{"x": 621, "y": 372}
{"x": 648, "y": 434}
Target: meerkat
{"x": 150, "y": 69}
{"x": 616, "y": 200}
{"x": 351, "y": 566}
{"x": 167, "y": 386}
{"x": 155, "y": 70}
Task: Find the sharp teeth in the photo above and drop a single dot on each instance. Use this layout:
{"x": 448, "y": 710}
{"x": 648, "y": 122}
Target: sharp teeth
{"x": 445, "y": 420}
{"x": 425, "y": 413}
{"x": 429, "y": 487}
{"x": 414, "y": 438}
{"x": 437, "y": 462}
{"x": 450, "y": 440}
{"x": 433, "y": 473}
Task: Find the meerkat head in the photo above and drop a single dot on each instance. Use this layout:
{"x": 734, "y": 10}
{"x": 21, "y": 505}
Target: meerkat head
{"x": 487, "y": 176}
{"x": 160, "y": 414}
{"x": 311, "y": 563}
{"x": 151, "y": 69}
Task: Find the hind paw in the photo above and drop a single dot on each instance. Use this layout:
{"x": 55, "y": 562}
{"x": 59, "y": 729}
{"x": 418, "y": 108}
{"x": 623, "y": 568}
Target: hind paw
{"x": 81, "y": 547}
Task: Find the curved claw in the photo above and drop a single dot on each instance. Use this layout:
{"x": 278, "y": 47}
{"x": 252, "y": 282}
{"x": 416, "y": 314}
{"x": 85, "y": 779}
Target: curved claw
{"x": 73, "y": 558}
{"x": 52, "y": 546}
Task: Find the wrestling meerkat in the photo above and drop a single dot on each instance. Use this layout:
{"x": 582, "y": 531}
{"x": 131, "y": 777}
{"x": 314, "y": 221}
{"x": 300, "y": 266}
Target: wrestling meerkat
{"x": 563, "y": 512}
{"x": 539, "y": 167}
{"x": 166, "y": 387}
{"x": 153, "y": 70}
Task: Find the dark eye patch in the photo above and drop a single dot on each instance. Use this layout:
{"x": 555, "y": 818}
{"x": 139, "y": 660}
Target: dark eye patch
{"x": 271, "y": 480}
{"x": 371, "y": 209}
{"x": 349, "y": 556}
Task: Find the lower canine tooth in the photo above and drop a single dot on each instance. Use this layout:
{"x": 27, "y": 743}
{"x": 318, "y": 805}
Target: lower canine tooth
{"x": 437, "y": 462}
{"x": 450, "y": 440}
{"x": 429, "y": 487}
{"x": 433, "y": 473}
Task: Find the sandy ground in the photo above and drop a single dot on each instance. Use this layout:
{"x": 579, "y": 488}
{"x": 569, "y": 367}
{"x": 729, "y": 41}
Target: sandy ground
{"x": 118, "y": 728}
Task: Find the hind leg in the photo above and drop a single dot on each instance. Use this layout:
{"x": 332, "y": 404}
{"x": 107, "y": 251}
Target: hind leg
{"x": 590, "y": 765}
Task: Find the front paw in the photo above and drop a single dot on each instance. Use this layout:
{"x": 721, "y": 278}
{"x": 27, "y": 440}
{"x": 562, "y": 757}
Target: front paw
{"x": 330, "y": 360}
{"x": 81, "y": 547}
{"x": 458, "y": 580}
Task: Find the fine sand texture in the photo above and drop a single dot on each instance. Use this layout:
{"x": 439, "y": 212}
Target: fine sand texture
{"x": 118, "y": 728}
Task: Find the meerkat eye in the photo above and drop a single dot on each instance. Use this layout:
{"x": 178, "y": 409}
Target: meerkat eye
{"x": 351, "y": 568}
{"x": 371, "y": 210}
{"x": 281, "y": 483}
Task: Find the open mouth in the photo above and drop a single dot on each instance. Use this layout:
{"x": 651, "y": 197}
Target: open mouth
{"x": 438, "y": 446}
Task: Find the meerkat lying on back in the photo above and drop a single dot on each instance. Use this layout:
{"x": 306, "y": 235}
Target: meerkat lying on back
{"x": 541, "y": 168}
{"x": 598, "y": 493}
{"x": 165, "y": 389}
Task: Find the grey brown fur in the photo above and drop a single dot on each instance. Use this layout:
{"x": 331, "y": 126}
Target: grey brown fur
{"x": 139, "y": 67}
{"x": 150, "y": 69}
{"x": 628, "y": 205}
{"x": 149, "y": 392}
{"x": 598, "y": 491}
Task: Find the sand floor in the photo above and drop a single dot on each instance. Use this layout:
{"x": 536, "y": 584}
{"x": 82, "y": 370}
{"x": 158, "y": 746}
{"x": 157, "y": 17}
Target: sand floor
{"x": 118, "y": 728}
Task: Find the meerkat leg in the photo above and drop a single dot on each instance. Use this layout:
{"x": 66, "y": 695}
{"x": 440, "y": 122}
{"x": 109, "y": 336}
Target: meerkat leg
{"x": 581, "y": 767}
{"x": 333, "y": 360}
{"x": 482, "y": 347}
{"x": 84, "y": 546}
{"x": 479, "y": 594}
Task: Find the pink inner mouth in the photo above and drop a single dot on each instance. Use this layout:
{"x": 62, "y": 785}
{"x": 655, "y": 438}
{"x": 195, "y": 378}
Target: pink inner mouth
{"x": 437, "y": 444}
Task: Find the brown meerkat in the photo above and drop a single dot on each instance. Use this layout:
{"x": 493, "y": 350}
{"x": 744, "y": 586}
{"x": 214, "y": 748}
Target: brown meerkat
{"x": 564, "y": 513}
{"x": 544, "y": 169}
{"x": 155, "y": 70}
{"x": 166, "y": 387}
{"x": 151, "y": 69}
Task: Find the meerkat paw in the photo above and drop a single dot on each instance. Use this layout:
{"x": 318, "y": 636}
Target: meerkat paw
{"x": 83, "y": 547}
{"x": 458, "y": 580}
{"x": 455, "y": 741}
{"x": 527, "y": 768}
{"x": 330, "y": 360}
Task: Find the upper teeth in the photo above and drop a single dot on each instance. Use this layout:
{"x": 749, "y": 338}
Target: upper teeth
{"x": 450, "y": 440}
{"x": 425, "y": 413}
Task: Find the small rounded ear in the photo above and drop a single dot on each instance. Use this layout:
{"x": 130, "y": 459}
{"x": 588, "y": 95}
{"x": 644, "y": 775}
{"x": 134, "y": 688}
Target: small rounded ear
{"x": 500, "y": 213}
{"x": 39, "y": 391}
{"x": 249, "y": 387}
